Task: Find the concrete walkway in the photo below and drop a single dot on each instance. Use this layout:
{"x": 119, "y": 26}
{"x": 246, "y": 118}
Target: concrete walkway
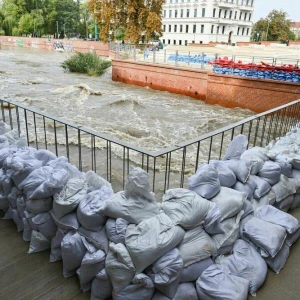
{"x": 31, "y": 277}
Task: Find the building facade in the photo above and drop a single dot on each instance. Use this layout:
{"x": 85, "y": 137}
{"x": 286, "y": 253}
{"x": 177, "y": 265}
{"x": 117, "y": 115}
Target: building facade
{"x": 295, "y": 27}
{"x": 204, "y": 21}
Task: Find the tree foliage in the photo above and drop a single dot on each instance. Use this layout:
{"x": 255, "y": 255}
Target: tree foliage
{"x": 42, "y": 16}
{"x": 275, "y": 27}
{"x": 137, "y": 17}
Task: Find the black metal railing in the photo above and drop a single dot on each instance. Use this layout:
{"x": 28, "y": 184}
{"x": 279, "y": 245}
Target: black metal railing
{"x": 111, "y": 158}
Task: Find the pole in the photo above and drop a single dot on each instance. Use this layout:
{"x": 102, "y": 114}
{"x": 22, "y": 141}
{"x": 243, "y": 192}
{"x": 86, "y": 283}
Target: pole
{"x": 57, "y": 29}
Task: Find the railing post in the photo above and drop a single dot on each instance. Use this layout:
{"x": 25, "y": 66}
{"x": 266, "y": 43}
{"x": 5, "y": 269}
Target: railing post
{"x": 176, "y": 58}
{"x": 134, "y": 53}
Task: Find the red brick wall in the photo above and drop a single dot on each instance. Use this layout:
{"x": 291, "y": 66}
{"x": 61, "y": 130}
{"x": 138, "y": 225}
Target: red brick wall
{"x": 257, "y": 95}
{"x": 44, "y": 44}
{"x": 187, "y": 82}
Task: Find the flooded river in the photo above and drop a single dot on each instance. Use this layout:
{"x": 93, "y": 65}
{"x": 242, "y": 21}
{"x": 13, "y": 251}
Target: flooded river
{"x": 141, "y": 116}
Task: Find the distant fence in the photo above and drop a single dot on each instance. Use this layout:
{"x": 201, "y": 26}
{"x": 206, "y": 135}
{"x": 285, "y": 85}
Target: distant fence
{"x": 111, "y": 158}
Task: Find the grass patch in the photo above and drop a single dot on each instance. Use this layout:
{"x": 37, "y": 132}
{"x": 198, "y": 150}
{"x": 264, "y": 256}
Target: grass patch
{"x": 87, "y": 63}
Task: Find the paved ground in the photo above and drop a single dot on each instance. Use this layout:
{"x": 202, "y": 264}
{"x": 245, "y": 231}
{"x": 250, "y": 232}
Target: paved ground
{"x": 31, "y": 277}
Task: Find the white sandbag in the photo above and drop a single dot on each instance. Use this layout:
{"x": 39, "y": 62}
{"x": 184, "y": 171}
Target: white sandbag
{"x": 7, "y": 183}
{"x": 296, "y": 176}
{"x": 97, "y": 238}
{"x": 55, "y": 254}
{"x": 205, "y": 182}
{"x": 247, "y": 209}
{"x": 247, "y": 188}
{"x": 185, "y": 208}
{"x": 101, "y": 287}
{"x": 293, "y": 238}
{"x": 136, "y": 203}
{"x": 73, "y": 250}
{"x": 68, "y": 222}
{"x": 13, "y": 195}
{"x": 45, "y": 224}
{"x": 44, "y": 156}
{"x": 141, "y": 288}
{"x": 165, "y": 272}
{"x": 285, "y": 165}
{"x": 236, "y": 147}
{"x": 186, "y": 291}
{"x": 4, "y": 203}
{"x": 96, "y": 182}
{"x": 91, "y": 265}
{"x": 296, "y": 202}
{"x": 196, "y": 246}
{"x": 256, "y": 152}
{"x": 18, "y": 221}
{"x": 4, "y": 127}
{"x": 230, "y": 202}
{"x": 216, "y": 282}
{"x": 27, "y": 230}
{"x": 231, "y": 233}
{"x": 151, "y": 239}
{"x": 159, "y": 296}
{"x": 212, "y": 222}
{"x": 192, "y": 272}
{"x": 8, "y": 214}
{"x": 255, "y": 162}
{"x": 241, "y": 169}
{"x": 285, "y": 204}
{"x": 39, "y": 206}
{"x": 268, "y": 199}
{"x": 273, "y": 215}
{"x": 69, "y": 197}
{"x": 270, "y": 172}
{"x": 61, "y": 173}
{"x": 119, "y": 267}
{"x": 21, "y": 206}
{"x": 269, "y": 237}
{"x": 284, "y": 188}
{"x": 38, "y": 242}
{"x": 262, "y": 187}
{"x": 15, "y": 139}
{"x": 277, "y": 263}
{"x": 3, "y": 142}
{"x": 89, "y": 210}
{"x": 6, "y": 152}
{"x": 245, "y": 262}
{"x": 294, "y": 159}
{"x": 116, "y": 230}
{"x": 226, "y": 177}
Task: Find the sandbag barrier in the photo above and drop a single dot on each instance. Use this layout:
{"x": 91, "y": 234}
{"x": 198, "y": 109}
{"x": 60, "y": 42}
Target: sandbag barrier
{"x": 197, "y": 58}
{"x": 263, "y": 70}
{"x": 229, "y": 226}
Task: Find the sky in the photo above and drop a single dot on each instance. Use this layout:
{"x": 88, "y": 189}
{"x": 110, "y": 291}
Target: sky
{"x": 263, "y": 7}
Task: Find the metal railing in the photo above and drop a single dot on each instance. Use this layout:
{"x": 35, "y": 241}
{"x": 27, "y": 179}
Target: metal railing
{"x": 111, "y": 158}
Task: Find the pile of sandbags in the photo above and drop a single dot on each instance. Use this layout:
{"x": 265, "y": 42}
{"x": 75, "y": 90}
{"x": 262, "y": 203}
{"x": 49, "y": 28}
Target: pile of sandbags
{"x": 213, "y": 240}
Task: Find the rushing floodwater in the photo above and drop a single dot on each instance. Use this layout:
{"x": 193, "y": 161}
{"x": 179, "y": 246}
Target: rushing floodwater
{"x": 141, "y": 116}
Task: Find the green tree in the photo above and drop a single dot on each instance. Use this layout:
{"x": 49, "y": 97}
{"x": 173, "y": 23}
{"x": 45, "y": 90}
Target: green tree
{"x": 275, "y": 27}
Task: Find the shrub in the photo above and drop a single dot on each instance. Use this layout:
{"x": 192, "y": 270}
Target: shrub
{"x": 86, "y": 63}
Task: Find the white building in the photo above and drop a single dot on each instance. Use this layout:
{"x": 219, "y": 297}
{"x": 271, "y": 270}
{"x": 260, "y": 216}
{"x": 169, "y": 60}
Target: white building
{"x": 204, "y": 21}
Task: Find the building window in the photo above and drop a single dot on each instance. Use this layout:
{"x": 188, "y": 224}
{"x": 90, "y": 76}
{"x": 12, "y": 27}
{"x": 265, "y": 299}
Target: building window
{"x": 181, "y": 13}
{"x": 170, "y": 13}
{"x": 194, "y": 28}
{"x": 187, "y": 29}
{"x": 164, "y": 41}
{"x": 247, "y": 31}
{"x": 195, "y": 13}
{"x": 243, "y": 30}
{"x": 187, "y": 13}
{"x": 245, "y": 16}
{"x": 225, "y": 13}
{"x": 174, "y": 42}
{"x": 181, "y": 28}
{"x": 165, "y": 13}
{"x": 230, "y": 14}
{"x": 203, "y": 12}
{"x": 214, "y": 13}
{"x": 238, "y": 32}
{"x": 220, "y": 11}
{"x": 235, "y": 15}
{"x": 241, "y": 15}
{"x": 250, "y": 17}
{"x": 169, "y": 42}
{"x": 176, "y": 13}
{"x": 169, "y": 28}
{"x": 202, "y": 28}
{"x": 180, "y": 42}
{"x": 164, "y": 28}
{"x": 175, "y": 28}
{"x": 223, "y": 30}
{"x": 218, "y": 29}
{"x": 212, "y": 29}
